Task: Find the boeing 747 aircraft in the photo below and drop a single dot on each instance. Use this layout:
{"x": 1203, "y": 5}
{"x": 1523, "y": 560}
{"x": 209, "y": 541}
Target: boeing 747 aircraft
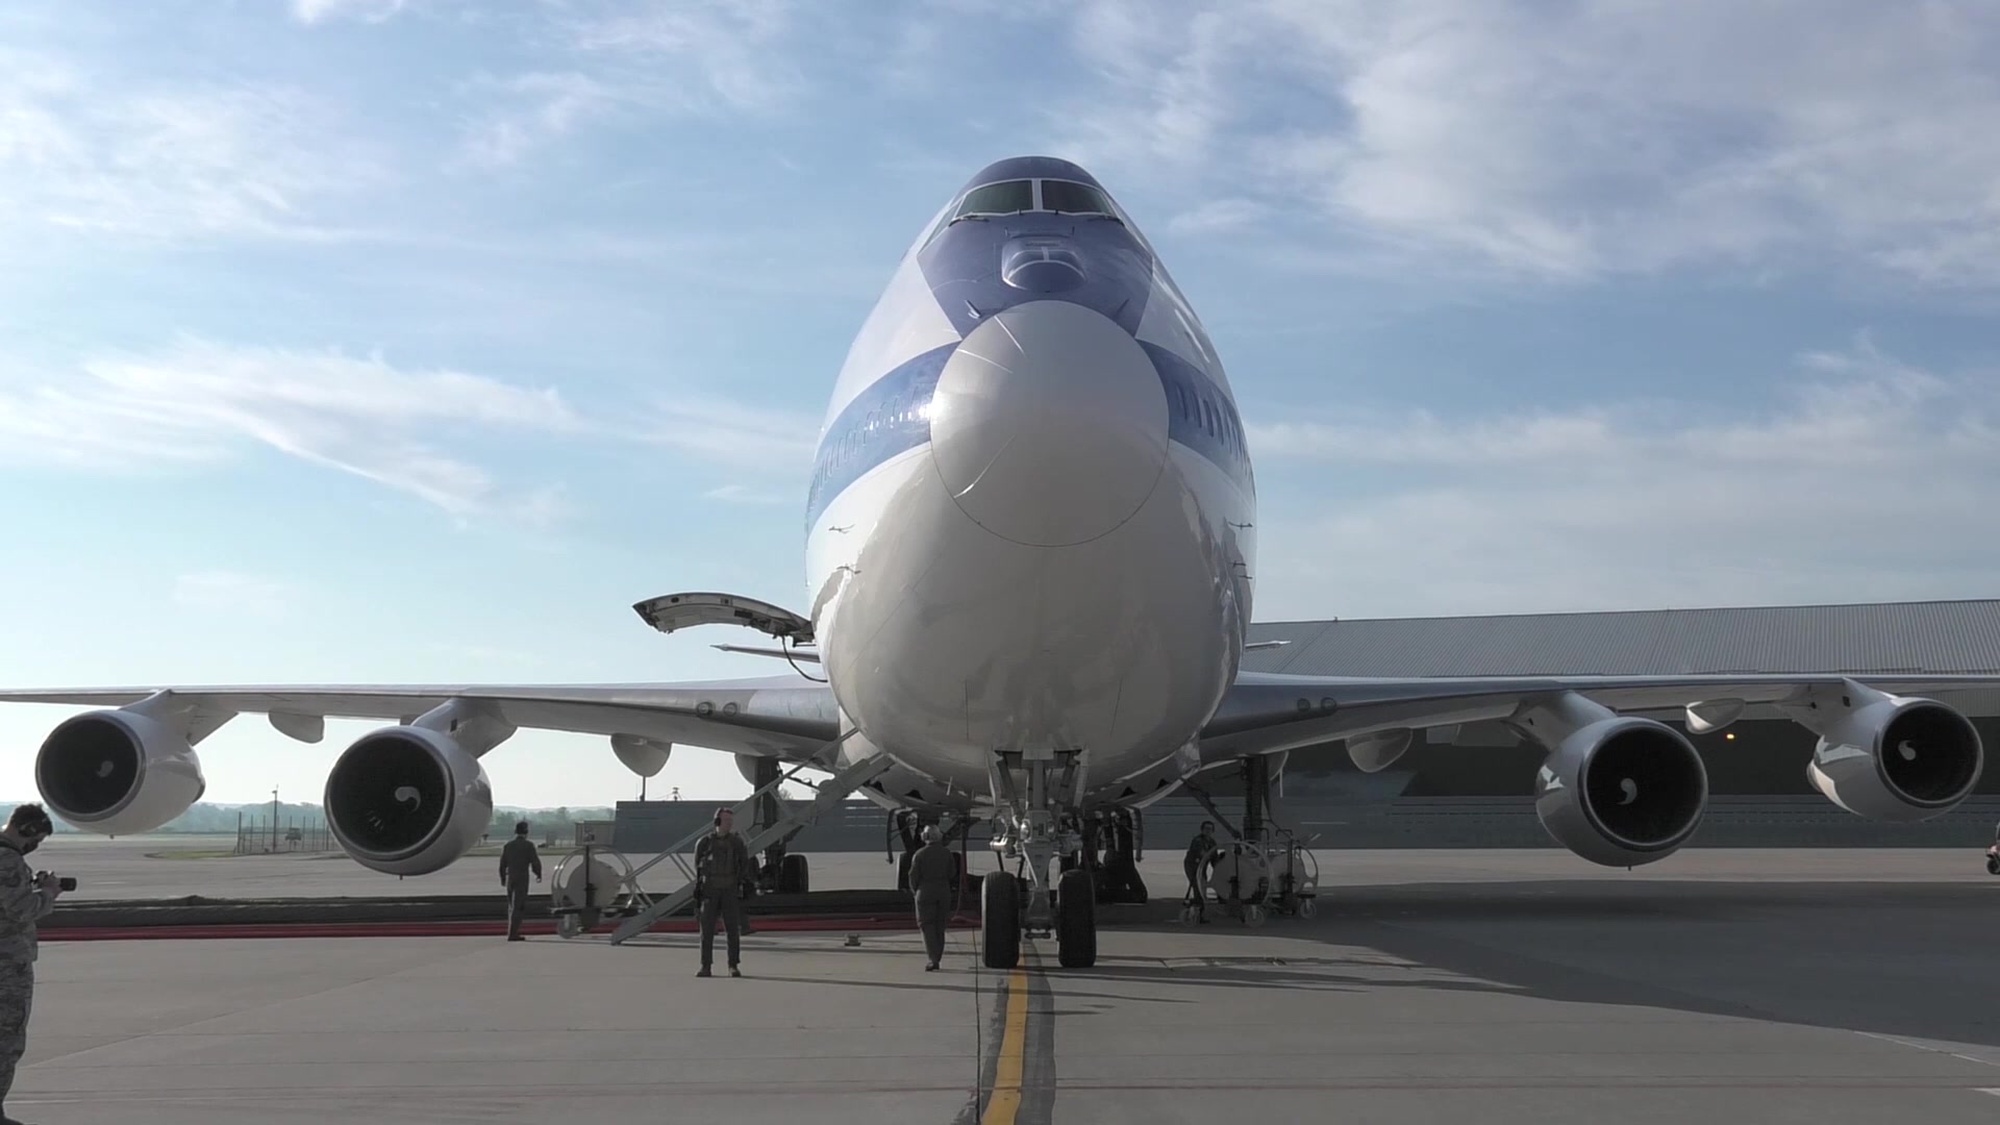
{"x": 1031, "y": 560}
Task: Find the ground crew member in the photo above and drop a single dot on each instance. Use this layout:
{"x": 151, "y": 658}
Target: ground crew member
{"x": 1196, "y": 864}
{"x": 25, "y": 899}
{"x": 518, "y": 858}
{"x": 721, "y": 866}
{"x": 932, "y": 873}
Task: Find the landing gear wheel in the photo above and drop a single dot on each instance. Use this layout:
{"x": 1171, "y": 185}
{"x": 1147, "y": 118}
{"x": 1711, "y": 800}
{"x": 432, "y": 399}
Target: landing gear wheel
{"x": 1306, "y": 908}
{"x": 1000, "y": 920}
{"x": 568, "y": 926}
{"x": 1076, "y": 920}
{"x": 793, "y": 876}
{"x": 1253, "y": 916}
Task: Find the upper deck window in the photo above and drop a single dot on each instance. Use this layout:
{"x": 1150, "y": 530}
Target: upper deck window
{"x": 1004, "y": 198}
{"x": 1072, "y": 198}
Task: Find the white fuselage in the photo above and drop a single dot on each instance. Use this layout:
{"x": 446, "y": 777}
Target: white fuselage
{"x": 1031, "y": 524}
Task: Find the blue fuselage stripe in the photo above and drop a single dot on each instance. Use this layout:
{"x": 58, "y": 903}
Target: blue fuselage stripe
{"x": 892, "y": 417}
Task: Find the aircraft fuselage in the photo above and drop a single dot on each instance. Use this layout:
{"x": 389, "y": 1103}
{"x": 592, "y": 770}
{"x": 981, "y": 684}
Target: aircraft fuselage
{"x": 1030, "y": 522}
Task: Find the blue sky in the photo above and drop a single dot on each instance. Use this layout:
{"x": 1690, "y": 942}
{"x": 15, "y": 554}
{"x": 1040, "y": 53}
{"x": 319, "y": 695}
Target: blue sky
{"x": 366, "y": 340}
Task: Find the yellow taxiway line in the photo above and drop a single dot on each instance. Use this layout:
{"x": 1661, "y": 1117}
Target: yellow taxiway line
{"x": 1006, "y": 1100}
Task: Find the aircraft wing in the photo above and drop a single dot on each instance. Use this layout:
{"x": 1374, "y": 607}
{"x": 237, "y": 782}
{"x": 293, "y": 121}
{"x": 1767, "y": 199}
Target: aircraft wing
{"x": 778, "y": 717}
{"x": 1266, "y": 712}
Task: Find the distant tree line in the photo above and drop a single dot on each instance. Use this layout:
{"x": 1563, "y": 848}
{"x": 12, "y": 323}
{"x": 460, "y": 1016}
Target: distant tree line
{"x": 207, "y": 820}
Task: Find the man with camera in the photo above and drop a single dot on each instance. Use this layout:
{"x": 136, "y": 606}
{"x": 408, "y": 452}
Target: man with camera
{"x": 26, "y": 897}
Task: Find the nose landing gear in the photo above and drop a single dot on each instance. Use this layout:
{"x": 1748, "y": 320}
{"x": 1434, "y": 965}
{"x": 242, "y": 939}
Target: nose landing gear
{"x": 1030, "y": 830}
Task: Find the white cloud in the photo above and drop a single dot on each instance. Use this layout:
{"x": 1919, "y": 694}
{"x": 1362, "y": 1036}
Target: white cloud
{"x": 684, "y": 57}
{"x": 1569, "y": 141}
{"x": 81, "y": 153}
{"x": 371, "y": 11}
{"x": 729, "y": 44}
{"x": 746, "y": 494}
{"x": 1871, "y": 480}
{"x": 730, "y": 433}
{"x": 203, "y": 402}
{"x": 233, "y": 593}
{"x": 541, "y": 108}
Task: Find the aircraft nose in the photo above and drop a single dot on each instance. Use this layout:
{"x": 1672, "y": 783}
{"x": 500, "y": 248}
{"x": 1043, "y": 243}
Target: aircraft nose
{"x": 1049, "y": 424}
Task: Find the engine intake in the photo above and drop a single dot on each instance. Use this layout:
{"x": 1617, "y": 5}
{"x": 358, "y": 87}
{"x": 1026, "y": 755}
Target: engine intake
{"x": 407, "y": 801}
{"x": 1897, "y": 760}
{"x": 1622, "y": 792}
{"x": 117, "y": 773}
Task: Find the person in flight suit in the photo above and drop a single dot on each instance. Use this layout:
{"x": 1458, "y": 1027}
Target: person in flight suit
{"x": 721, "y": 867}
{"x": 932, "y": 873}
{"x": 1199, "y": 850}
{"x": 26, "y": 898}
{"x": 518, "y": 858}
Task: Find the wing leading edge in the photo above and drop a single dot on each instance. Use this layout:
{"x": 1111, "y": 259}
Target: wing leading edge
{"x": 769, "y": 717}
{"x": 1265, "y": 713}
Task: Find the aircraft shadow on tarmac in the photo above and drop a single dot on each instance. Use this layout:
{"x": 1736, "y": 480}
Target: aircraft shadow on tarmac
{"x": 1904, "y": 960}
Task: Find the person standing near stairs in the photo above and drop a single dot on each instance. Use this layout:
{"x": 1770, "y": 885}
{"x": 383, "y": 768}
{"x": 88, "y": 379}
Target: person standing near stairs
{"x": 721, "y": 866}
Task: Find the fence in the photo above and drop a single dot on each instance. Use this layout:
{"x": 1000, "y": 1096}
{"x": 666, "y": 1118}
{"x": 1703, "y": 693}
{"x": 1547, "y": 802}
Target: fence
{"x": 267, "y": 837}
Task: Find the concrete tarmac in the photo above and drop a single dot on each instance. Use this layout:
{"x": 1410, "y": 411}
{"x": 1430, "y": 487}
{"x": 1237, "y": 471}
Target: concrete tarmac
{"x": 1527, "y": 987}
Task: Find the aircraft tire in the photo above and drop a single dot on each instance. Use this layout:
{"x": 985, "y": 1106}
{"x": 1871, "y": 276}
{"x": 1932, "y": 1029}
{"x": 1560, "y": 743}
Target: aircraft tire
{"x": 1000, "y": 920}
{"x": 1076, "y": 921}
{"x": 794, "y": 876}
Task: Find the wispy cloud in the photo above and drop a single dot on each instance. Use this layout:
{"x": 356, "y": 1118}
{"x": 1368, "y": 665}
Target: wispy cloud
{"x": 727, "y": 43}
{"x": 528, "y": 111}
{"x": 1871, "y": 479}
{"x": 746, "y": 494}
{"x": 204, "y": 402}
{"x": 321, "y": 11}
{"x": 684, "y": 57}
{"x": 1568, "y": 141}
{"x": 83, "y": 153}
{"x": 731, "y": 433}
{"x": 412, "y": 430}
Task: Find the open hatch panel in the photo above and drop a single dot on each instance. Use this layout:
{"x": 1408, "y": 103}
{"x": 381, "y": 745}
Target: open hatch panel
{"x": 670, "y": 612}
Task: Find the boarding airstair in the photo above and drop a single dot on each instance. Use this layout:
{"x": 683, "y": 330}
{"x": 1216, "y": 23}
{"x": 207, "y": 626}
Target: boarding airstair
{"x": 827, "y": 794}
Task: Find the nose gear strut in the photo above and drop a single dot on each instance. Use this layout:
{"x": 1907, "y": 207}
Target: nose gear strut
{"x": 1033, "y": 825}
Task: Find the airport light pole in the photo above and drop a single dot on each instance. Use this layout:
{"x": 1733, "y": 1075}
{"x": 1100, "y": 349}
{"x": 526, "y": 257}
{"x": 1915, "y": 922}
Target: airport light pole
{"x": 274, "y": 820}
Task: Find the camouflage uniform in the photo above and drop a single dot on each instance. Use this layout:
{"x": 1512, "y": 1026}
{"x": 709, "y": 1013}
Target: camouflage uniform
{"x": 517, "y": 859}
{"x": 1199, "y": 850}
{"x": 22, "y": 904}
{"x": 933, "y": 870}
{"x": 722, "y": 866}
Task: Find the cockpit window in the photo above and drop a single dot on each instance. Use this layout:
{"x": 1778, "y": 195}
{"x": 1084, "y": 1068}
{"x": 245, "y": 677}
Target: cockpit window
{"x": 1074, "y": 198}
{"x": 998, "y": 199}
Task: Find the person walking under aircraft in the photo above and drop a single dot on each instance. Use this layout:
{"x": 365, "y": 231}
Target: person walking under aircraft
{"x": 932, "y": 875}
{"x": 721, "y": 866}
{"x": 25, "y": 899}
{"x": 1199, "y": 850}
{"x": 517, "y": 859}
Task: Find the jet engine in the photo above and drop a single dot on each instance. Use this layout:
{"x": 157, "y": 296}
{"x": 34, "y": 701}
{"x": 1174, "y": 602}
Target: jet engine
{"x": 1894, "y": 759}
{"x": 117, "y": 773}
{"x": 407, "y": 800}
{"x": 1622, "y": 791}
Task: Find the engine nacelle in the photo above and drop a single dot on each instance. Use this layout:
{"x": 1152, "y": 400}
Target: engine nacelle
{"x": 1622, "y": 791}
{"x": 407, "y": 801}
{"x": 1897, "y": 760}
{"x": 117, "y": 773}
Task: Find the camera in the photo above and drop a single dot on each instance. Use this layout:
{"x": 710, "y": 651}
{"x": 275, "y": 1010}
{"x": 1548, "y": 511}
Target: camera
{"x": 67, "y": 883}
